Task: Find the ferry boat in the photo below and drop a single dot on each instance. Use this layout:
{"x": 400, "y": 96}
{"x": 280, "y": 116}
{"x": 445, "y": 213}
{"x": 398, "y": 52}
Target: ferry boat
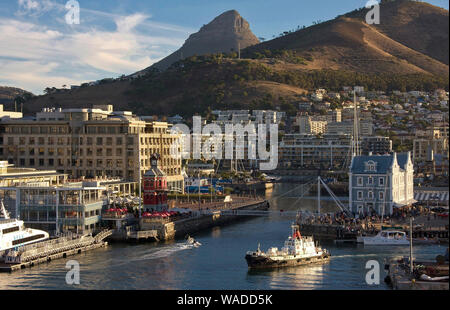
{"x": 13, "y": 233}
{"x": 386, "y": 237}
{"x": 297, "y": 251}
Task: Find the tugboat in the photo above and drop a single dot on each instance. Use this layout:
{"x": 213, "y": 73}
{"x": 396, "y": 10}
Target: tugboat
{"x": 297, "y": 251}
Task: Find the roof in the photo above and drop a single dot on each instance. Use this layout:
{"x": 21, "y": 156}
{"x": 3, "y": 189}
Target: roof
{"x": 383, "y": 163}
{"x": 154, "y": 172}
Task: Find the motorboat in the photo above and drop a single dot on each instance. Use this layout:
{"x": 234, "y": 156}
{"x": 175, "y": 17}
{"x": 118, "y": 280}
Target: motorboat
{"x": 386, "y": 237}
{"x": 193, "y": 242}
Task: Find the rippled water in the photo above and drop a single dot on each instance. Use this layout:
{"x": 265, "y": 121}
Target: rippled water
{"x": 219, "y": 263}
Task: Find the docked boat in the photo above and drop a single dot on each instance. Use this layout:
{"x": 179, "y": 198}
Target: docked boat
{"x": 13, "y": 233}
{"x": 297, "y": 250}
{"x": 386, "y": 237}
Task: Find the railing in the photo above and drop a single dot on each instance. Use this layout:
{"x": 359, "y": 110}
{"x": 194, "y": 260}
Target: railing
{"x": 54, "y": 246}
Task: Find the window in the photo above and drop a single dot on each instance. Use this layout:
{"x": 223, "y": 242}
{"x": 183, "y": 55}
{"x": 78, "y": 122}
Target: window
{"x": 359, "y": 181}
{"x": 370, "y": 195}
{"x": 370, "y": 166}
{"x": 381, "y": 195}
{"x": 381, "y": 181}
{"x": 370, "y": 180}
{"x": 360, "y": 195}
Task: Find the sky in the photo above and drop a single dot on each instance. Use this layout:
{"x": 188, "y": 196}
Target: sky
{"x": 39, "y": 49}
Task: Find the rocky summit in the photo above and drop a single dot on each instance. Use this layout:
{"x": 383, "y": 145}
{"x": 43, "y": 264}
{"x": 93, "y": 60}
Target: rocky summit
{"x": 227, "y": 32}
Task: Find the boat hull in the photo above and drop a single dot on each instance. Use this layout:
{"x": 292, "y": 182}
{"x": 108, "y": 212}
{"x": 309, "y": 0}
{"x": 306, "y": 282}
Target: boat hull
{"x": 264, "y": 262}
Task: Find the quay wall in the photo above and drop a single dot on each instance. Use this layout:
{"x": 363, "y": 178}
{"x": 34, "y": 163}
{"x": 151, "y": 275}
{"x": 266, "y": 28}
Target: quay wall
{"x": 183, "y": 227}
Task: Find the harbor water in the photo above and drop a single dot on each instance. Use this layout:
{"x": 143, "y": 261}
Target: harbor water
{"x": 219, "y": 263}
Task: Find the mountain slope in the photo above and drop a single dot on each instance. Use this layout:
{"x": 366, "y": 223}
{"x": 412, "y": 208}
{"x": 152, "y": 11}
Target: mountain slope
{"x": 349, "y": 43}
{"x": 227, "y": 32}
{"x": 8, "y": 94}
{"x": 417, "y": 25}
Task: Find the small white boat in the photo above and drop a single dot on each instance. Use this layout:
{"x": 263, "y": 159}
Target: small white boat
{"x": 387, "y": 237}
{"x": 193, "y": 242}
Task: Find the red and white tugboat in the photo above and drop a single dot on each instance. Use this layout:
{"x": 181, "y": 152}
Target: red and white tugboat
{"x": 297, "y": 251}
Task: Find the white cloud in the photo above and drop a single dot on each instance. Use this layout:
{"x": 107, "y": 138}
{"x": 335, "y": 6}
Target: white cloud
{"x": 34, "y": 56}
{"x": 35, "y": 7}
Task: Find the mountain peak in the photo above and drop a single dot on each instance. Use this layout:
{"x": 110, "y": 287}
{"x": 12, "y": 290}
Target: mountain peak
{"x": 227, "y": 32}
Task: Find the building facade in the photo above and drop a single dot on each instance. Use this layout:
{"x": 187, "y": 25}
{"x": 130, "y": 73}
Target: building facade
{"x": 91, "y": 143}
{"x": 429, "y": 143}
{"x": 313, "y": 152}
{"x": 379, "y": 183}
{"x": 376, "y": 145}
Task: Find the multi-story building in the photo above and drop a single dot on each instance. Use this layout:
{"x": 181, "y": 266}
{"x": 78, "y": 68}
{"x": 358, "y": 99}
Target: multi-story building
{"x": 90, "y": 143}
{"x": 47, "y": 200}
{"x": 313, "y": 152}
{"x": 378, "y": 183}
{"x": 376, "y": 145}
{"x": 308, "y": 125}
{"x": 430, "y": 142}
{"x": 366, "y": 127}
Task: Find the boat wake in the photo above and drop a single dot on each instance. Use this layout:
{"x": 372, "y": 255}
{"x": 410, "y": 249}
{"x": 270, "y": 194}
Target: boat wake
{"x": 150, "y": 254}
{"x": 350, "y": 255}
{"x": 164, "y": 252}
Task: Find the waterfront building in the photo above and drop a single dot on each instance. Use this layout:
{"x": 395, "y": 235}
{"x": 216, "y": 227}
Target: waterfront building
{"x": 155, "y": 187}
{"x": 315, "y": 152}
{"x": 72, "y": 207}
{"x": 379, "y": 183}
{"x": 97, "y": 142}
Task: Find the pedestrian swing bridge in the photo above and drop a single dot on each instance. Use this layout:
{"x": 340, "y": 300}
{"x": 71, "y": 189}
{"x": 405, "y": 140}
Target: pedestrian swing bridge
{"x": 251, "y": 213}
{"x": 289, "y": 212}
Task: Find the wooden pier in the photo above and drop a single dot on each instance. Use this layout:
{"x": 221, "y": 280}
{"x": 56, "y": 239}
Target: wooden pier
{"x": 47, "y": 251}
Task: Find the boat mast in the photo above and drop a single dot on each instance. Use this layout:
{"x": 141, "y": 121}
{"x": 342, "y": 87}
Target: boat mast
{"x": 356, "y": 150}
{"x": 318, "y": 194}
{"x": 411, "y": 259}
